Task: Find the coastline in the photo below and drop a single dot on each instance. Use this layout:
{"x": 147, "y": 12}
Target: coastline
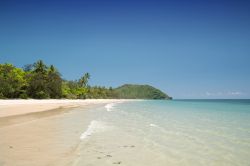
{"x": 38, "y": 127}
{"x": 134, "y": 133}
{"x": 17, "y": 107}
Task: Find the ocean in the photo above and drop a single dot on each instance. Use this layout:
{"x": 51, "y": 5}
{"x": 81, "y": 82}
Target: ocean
{"x": 167, "y": 132}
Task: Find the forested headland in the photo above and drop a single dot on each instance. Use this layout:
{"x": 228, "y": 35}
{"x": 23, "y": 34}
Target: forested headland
{"x": 41, "y": 81}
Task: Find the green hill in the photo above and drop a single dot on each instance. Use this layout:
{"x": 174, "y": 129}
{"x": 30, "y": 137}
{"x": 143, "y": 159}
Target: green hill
{"x": 130, "y": 91}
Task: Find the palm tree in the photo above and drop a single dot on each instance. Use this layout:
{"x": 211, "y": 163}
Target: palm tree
{"x": 53, "y": 70}
{"x": 87, "y": 77}
{"x": 54, "y": 83}
{"x": 84, "y": 80}
{"x": 40, "y": 67}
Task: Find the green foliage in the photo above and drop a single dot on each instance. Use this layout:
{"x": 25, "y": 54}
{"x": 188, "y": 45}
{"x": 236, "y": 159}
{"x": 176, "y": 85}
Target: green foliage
{"x": 34, "y": 81}
{"x": 129, "y": 91}
{"x": 74, "y": 89}
{"x": 41, "y": 95}
{"x": 40, "y": 67}
{"x": 37, "y": 85}
{"x": 98, "y": 92}
{"x": 12, "y": 81}
{"x": 54, "y": 83}
{"x": 24, "y": 96}
{"x": 65, "y": 90}
{"x": 83, "y": 82}
{"x": 1, "y": 96}
{"x": 41, "y": 81}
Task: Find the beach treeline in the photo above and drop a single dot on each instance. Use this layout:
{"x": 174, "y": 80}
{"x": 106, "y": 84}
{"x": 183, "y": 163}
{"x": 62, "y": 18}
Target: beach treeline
{"x": 42, "y": 81}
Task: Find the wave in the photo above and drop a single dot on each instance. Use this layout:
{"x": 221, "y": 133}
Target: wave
{"x": 109, "y": 107}
{"x": 94, "y": 126}
{"x": 153, "y": 125}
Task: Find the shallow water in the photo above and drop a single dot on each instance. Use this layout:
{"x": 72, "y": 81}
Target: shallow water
{"x": 178, "y": 132}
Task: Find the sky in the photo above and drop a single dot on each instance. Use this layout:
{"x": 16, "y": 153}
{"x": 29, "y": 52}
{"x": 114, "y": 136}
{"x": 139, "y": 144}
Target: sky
{"x": 188, "y": 49}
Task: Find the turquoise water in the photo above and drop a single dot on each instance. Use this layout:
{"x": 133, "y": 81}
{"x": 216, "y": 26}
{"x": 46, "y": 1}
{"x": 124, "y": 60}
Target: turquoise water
{"x": 177, "y": 132}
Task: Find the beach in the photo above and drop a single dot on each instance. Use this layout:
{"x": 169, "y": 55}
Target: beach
{"x": 20, "y": 107}
{"x": 42, "y": 132}
{"x": 125, "y": 132}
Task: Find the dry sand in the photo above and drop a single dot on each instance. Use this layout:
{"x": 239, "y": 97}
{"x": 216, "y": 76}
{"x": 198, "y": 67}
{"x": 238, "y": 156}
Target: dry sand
{"x": 42, "y": 132}
{"x": 20, "y": 107}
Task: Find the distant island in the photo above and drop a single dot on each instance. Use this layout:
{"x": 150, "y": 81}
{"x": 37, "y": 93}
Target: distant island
{"x": 40, "y": 81}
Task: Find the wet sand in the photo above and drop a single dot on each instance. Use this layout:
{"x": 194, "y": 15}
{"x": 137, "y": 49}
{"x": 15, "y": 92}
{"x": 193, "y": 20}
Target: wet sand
{"x": 20, "y": 107}
{"x": 45, "y": 136}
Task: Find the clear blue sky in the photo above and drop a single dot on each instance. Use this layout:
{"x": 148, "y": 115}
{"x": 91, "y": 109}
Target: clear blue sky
{"x": 189, "y": 49}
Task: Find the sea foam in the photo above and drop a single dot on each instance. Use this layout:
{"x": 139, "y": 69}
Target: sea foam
{"x": 94, "y": 126}
{"x": 109, "y": 107}
{"x": 153, "y": 125}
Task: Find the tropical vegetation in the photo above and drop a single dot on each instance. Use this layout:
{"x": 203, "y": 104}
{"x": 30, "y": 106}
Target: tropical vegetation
{"x": 41, "y": 81}
{"x": 129, "y": 91}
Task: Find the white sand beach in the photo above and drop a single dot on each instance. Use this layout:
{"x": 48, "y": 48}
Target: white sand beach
{"x": 43, "y": 132}
{"x": 20, "y": 107}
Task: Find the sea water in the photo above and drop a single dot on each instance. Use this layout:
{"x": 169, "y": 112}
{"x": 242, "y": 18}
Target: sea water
{"x": 164, "y": 132}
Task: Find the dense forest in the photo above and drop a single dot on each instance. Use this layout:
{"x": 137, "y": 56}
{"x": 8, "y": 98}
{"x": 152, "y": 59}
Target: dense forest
{"x": 41, "y": 81}
{"x": 129, "y": 91}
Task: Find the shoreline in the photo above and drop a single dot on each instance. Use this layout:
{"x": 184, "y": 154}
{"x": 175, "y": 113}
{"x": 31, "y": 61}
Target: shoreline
{"x": 10, "y": 108}
{"x": 31, "y": 127}
{"x": 28, "y": 128}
